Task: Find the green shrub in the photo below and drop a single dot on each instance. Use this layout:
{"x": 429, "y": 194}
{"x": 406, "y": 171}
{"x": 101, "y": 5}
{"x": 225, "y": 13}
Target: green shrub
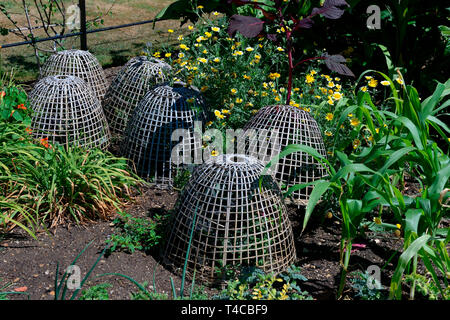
{"x": 136, "y": 233}
{"x": 98, "y": 292}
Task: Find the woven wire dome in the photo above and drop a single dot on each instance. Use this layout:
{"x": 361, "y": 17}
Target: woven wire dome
{"x": 66, "y": 111}
{"x": 128, "y": 88}
{"x": 79, "y": 63}
{"x": 233, "y": 222}
{"x": 148, "y": 135}
{"x": 292, "y": 126}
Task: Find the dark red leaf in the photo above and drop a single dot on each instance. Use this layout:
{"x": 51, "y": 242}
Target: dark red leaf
{"x": 305, "y": 23}
{"x": 272, "y": 37}
{"x": 336, "y": 63}
{"x": 249, "y": 27}
{"x": 330, "y": 9}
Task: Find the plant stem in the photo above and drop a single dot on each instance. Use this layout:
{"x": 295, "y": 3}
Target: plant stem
{"x": 347, "y": 246}
{"x": 291, "y": 69}
{"x": 413, "y": 286}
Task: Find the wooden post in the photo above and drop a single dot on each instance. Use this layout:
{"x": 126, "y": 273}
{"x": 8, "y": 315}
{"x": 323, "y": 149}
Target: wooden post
{"x": 83, "y": 36}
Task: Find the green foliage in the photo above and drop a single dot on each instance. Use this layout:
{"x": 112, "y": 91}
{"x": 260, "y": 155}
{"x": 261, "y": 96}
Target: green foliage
{"x": 181, "y": 179}
{"x": 14, "y": 106}
{"x": 97, "y": 292}
{"x": 257, "y": 285}
{"x": 359, "y": 282}
{"x": 136, "y": 233}
{"x": 427, "y": 287}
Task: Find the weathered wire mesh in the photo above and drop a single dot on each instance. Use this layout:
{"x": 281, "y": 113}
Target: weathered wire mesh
{"x": 291, "y": 126}
{"x": 129, "y": 86}
{"x": 66, "y": 111}
{"x": 233, "y": 222}
{"x": 79, "y": 63}
{"x": 148, "y": 135}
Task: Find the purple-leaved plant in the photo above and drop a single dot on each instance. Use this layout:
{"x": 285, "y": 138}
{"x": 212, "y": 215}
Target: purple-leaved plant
{"x": 284, "y": 16}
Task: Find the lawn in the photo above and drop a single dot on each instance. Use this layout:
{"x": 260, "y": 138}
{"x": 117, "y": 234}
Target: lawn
{"x": 112, "y": 48}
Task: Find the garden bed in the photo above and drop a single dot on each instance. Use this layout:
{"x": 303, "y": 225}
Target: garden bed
{"x": 30, "y": 265}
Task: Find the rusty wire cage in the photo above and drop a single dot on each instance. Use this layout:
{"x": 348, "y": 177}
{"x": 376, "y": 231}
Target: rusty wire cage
{"x": 148, "y": 139}
{"x": 128, "y": 88}
{"x": 66, "y": 111}
{"x": 79, "y": 63}
{"x": 227, "y": 221}
{"x": 290, "y": 125}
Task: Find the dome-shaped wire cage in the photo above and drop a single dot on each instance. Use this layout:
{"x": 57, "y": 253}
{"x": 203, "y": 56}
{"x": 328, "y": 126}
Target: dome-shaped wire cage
{"x": 128, "y": 88}
{"x": 78, "y": 63}
{"x": 227, "y": 221}
{"x": 66, "y": 111}
{"x": 148, "y": 141}
{"x": 286, "y": 125}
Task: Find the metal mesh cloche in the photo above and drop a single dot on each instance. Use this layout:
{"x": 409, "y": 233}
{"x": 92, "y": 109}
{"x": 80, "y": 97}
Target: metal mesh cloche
{"x": 79, "y": 63}
{"x": 290, "y": 125}
{"x": 67, "y": 111}
{"x": 132, "y": 82}
{"x": 229, "y": 221}
{"x": 148, "y": 135}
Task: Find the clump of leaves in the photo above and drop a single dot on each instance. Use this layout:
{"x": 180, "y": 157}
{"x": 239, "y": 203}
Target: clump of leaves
{"x": 280, "y": 23}
{"x": 97, "y": 292}
{"x": 257, "y": 285}
{"x": 181, "y": 179}
{"x": 136, "y": 233}
{"x": 360, "y": 282}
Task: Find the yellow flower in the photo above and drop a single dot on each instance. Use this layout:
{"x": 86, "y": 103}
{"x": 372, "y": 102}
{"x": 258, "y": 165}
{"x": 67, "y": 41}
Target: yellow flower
{"x": 377, "y": 220}
{"x": 225, "y": 111}
{"x": 330, "y": 101}
{"x": 274, "y": 76}
{"x": 384, "y": 83}
{"x": 399, "y": 81}
{"x": 355, "y": 122}
{"x": 209, "y": 123}
{"x": 399, "y": 226}
{"x": 167, "y": 55}
{"x": 215, "y": 29}
{"x": 191, "y": 28}
{"x": 170, "y": 31}
{"x": 205, "y": 51}
{"x": 309, "y": 78}
{"x": 215, "y": 13}
{"x": 181, "y": 55}
{"x": 373, "y": 83}
{"x": 216, "y": 60}
{"x": 238, "y": 100}
{"x": 218, "y": 114}
{"x": 337, "y": 79}
{"x": 180, "y": 38}
{"x": 200, "y": 7}
{"x": 368, "y": 77}
{"x": 329, "y": 116}
{"x": 233, "y": 91}
{"x": 323, "y": 90}
{"x": 296, "y": 89}
{"x": 184, "y": 47}
{"x": 313, "y": 72}
{"x": 363, "y": 89}
{"x": 247, "y": 77}
{"x": 238, "y": 53}
{"x": 280, "y": 49}
{"x": 214, "y": 153}
{"x": 257, "y": 56}
{"x": 208, "y": 34}
{"x": 157, "y": 54}
{"x": 337, "y": 96}
{"x": 328, "y": 133}
{"x": 249, "y": 49}
{"x": 330, "y": 84}
{"x": 202, "y": 60}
